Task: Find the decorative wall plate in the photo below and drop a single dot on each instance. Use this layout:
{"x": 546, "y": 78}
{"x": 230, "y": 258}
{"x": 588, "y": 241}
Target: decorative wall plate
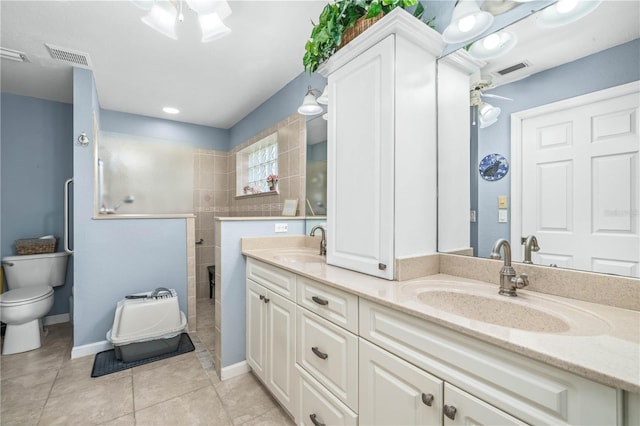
{"x": 493, "y": 167}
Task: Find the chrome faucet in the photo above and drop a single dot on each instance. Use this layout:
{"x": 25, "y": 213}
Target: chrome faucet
{"x": 323, "y": 240}
{"x": 509, "y": 281}
{"x": 530, "y": 244}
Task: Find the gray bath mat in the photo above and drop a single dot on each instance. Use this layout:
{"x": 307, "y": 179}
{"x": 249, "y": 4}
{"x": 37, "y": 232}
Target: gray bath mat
{"x": 106, "y": 362}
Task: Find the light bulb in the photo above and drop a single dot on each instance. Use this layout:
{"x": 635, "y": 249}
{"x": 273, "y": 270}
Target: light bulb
{"x": 467, "y": 23}
{"x": 491, "y": 41}
{"x": 566, "y": 6}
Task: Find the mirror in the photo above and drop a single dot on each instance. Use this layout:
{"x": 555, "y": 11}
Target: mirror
{"x": 316, "y": 177}
{"x": 549, "y": 66}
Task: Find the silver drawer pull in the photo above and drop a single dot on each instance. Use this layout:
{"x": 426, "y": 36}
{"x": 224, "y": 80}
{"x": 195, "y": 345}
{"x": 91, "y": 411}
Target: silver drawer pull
{"x": 320, "y": 301}
{"x": 450, "y": 411}
{"x": 261, "y": 297}
{"x": 319, "y": 354}
{"x": 266, "y": 300}
{"x": 427, "y": 399}
{"x": 382, "y": 266}
{"x": 315, "y": 421}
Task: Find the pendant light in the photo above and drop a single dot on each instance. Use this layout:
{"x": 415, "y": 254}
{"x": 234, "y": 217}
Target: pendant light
{"x": 310, "y": 105}
{"x": 566, "y": 11}
{"x": 467, "y": 22}
{"x": 493, "y": 45}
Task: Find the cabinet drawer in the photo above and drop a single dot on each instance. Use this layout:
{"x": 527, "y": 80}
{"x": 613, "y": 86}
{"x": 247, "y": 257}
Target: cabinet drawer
{"x": 273, "y": 278}
{"x": 330, "y": 354}
{"x": 527, "y": 389}
{"x": 317, "y": 403}
{"x": 339, "y": 307}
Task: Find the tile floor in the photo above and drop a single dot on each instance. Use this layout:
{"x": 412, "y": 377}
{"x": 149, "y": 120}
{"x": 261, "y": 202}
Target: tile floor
{"x": 46, "y": 387}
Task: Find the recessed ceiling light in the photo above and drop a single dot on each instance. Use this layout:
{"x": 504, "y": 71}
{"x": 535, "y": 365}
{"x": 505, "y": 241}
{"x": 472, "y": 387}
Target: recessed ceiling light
{"x": 171, "y": 110}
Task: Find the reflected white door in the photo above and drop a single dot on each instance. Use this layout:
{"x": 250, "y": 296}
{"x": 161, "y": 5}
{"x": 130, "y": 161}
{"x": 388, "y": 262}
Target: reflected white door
{"x": 580, "y": 181}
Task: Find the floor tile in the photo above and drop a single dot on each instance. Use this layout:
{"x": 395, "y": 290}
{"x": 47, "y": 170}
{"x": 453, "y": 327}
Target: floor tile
{"x": 244, "y": 398}
{"x": 200, "y": 407}
{"x": 167, "y": 381}
{"x": 47, "y": 387}
{"x": 93, "y": 405}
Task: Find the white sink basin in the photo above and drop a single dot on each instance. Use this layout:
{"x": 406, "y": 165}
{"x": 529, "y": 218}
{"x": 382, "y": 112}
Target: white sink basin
{"x": 527, "y": 312}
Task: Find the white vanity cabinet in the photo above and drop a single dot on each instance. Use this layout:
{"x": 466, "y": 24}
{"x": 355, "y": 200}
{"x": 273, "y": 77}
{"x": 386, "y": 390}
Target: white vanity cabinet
{"x": 381, "y": 147}
{"x": 270, "y": 333}
{"x": 392, "y": 391}
{"x": 484, "y": 382}
{"x": 326, "y": 354}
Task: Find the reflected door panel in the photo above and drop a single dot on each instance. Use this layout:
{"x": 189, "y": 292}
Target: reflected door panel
{"x": 580, "y": 184}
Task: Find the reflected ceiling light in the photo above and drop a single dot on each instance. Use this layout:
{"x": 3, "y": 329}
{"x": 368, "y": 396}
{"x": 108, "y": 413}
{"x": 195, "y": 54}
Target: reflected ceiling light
{"x": 171, "y": 110}
{"x": 487, "y": 123}
{"x": 467, "y": 22}
{"x": 566, "y": 11}
{"x": 310, "y": 105}
{"x": 488, "y": 112}
{"x": 163, "y": 14}
{"x": 494, "y": 45}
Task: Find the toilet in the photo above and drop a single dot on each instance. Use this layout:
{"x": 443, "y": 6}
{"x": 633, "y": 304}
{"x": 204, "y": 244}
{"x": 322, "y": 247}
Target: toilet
{"x": 30, "y": 280}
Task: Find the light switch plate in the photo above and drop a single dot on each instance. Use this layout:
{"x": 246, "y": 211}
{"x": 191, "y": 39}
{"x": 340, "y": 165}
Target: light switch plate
{"x": 502, "y": 216}
{"x": 281, "y": 227}
{"x": 472, "y": 216}
{"x": 502, "y": 202}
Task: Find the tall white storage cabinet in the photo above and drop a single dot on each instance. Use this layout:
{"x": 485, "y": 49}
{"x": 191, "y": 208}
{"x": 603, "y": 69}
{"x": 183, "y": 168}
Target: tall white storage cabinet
{"x": 382, "y": 157}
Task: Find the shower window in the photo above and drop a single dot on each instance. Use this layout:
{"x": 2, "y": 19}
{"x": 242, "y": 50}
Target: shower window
{"x": 254, "y": 164}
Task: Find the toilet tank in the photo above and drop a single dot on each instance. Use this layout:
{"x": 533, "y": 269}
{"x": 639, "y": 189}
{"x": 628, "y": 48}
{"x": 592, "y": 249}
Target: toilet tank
{"x": 35, "y": 270}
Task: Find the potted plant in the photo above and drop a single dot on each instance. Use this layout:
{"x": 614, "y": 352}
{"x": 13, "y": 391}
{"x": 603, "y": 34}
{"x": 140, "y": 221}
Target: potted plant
{"x": 337, "y": 17}
{"x": 272, "y": 181}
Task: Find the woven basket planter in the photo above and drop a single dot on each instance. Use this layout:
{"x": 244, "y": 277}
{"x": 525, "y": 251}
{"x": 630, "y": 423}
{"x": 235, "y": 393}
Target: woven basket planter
{"x": 358, "y": 28}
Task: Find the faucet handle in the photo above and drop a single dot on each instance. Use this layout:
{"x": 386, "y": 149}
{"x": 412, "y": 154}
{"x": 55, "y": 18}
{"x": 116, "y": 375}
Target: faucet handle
{"x": 521, "y": 281}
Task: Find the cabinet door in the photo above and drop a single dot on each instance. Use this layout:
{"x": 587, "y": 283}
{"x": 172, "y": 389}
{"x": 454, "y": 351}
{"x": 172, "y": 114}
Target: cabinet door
{"x": 280, "y": 356}
{"x": 256, "y": 328}
{"x": 460, "y": 408}
{"x": 318, "y": 406}
{"x": 360, "y": 162}
{"x": 394, "y": 392}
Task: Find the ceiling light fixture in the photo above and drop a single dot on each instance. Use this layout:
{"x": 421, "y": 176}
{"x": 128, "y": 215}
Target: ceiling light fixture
{"x": 171, "y": 110}
{"x": 566, "y": 11}
{"x": 310, "y": 105}
{"x": 163, "y": 14}
{"x": 467, "y": 22}
{"x": 494, "y": 45}
{"x": 13, "y": 55}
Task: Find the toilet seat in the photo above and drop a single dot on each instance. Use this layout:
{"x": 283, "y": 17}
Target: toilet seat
{"x": 25, "y": 295}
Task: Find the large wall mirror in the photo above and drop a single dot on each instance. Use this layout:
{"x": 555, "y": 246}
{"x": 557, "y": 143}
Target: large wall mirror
{"x": 561, "y": 159}
{"x": 316, "y": 173}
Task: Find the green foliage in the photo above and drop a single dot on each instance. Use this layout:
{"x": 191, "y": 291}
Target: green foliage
{"x": 336, "y": 17}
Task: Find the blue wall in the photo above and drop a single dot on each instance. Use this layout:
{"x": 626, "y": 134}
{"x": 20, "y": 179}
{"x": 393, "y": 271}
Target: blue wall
{"x": 278, "y": 107}
{"x": 609, "y": 68}
{"x": 37, "y": 157}
{"x": 191, "y": 135}
{"x": 233, "y": 315}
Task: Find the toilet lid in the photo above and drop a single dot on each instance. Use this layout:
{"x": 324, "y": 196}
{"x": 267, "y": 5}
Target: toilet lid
{"x": 19, "y": 296}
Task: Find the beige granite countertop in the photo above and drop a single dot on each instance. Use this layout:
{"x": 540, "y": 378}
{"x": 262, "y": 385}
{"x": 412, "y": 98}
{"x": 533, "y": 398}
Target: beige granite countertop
{"x": 603, "y": 344}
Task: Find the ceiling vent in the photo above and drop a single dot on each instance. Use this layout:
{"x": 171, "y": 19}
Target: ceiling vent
{"x": 513, "y": 68}
{"x": 69, "y": 56}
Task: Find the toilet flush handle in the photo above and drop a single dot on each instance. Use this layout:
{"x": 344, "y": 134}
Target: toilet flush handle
{"x": 7, "y": 263}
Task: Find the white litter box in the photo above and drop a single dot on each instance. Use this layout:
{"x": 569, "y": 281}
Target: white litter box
{"x": 147, "y": 325}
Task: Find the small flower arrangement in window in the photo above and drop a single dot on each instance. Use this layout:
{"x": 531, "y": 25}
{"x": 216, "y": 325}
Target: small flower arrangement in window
{"x": 272, "y": 180}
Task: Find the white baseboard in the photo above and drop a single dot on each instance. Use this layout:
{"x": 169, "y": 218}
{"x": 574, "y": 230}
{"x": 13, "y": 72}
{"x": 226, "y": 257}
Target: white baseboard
{"x": 55, "y": 319}
{"x": 90, "y": 349}
{"x": 234, "y": 370}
